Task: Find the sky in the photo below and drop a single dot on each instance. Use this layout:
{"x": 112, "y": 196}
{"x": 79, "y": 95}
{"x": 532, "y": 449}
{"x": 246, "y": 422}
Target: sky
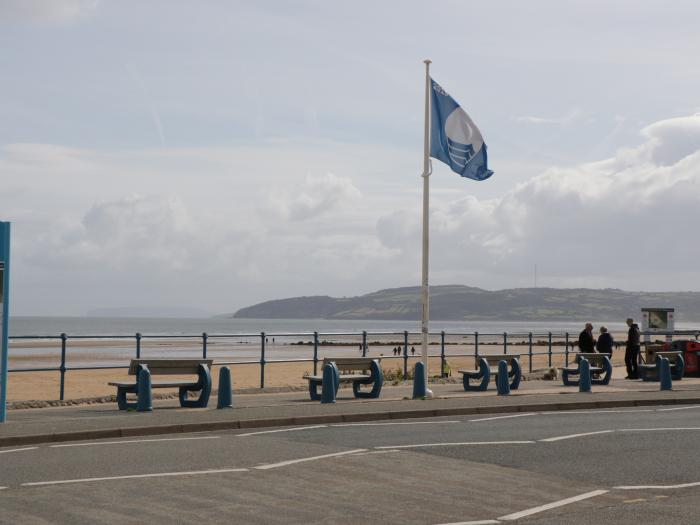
{"x": 218, "y": 154}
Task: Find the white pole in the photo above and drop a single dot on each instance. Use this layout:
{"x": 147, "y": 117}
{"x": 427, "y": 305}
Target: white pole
{"x": 426, "y": 201}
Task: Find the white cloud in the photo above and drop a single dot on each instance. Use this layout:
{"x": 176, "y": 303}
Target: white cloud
{"x": 575, "y": 115}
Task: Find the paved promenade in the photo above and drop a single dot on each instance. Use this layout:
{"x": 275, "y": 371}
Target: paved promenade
{"x": 31, "y": 426}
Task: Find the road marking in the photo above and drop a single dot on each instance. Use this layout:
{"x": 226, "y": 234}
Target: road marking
{"x": 665, "y": 429}
{"x": 637, "y": 500}
{"x": 479, "y": 522}
{"x": 17, "y": 450}
{"x": 658, "y": 487}
{"x": 3, "y": 488}
{"x": 502, "y": 417}
{"x": 554, "y": 505}
{"x": 132, "y": 441}
{"x": 556, "y": 413}
{"x": 312, "y": 458}
{"x": 572, "y": 436}
{"x": 395, "y": 423}
{"x": 280, "y": 430}
{"x": 136, "y": 476}
{"x": 459, "y": 444}
{"x": 677, "y": 408}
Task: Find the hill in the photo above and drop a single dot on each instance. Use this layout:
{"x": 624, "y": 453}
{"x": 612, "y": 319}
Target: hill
{"x": 457, "y": 302}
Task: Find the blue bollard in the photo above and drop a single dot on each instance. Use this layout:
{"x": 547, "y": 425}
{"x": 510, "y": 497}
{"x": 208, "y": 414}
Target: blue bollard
{"x": 328, "y": 385}
{"x": 584, "y": 382}
{"x": 144, "y": 401}
{"x": 225, "y": 398}
{"x": 419, "y": 381}
{"x": 665, "y": 374}
{"x": 502, "y": 383}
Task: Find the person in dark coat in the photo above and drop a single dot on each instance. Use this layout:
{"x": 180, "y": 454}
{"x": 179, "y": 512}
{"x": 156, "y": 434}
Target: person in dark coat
{"x": 632, "y": 350}
{"x": 586, "y": 343}
{"x": 605, "y": 342}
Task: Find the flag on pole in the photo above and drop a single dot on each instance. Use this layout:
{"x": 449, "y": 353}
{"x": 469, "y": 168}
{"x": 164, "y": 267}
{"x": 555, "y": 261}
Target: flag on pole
{"x": 454, "y": 138}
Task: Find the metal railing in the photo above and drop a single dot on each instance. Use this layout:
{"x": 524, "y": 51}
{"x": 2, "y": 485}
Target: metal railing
{"x": 550, "y": 341}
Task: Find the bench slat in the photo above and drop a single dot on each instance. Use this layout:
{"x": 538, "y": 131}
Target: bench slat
{"x": 345, "y": 377}
{"x": 158, "y": 384}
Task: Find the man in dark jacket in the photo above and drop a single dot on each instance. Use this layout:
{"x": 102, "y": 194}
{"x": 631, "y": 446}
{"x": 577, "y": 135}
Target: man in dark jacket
{"x": 632, "y": 350}
{"x": 604, "y": 345}
{"x": 586, "y": 343}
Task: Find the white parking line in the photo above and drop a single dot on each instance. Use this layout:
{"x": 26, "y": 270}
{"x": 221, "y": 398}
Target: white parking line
{"x": 554, "y": 505}
{"x": 677, "y": 408}
{"x": 3, "y": 488}
{"x": 568, "y": 412}
{"x": 17, "y": 450}
{"x": 312, "y": 458}
{"x": 136, "y": 476}
{"x": 572, "y": 436}
{"x": 658, "y": 487}
{"x": 502, "y": 417}
{"x": 665, "y": 429}
{"x": 280, "y": 430}
{"x": 463, "y": 444}
{"x": 478, "y": 522}
{"x": 393, "y": 423}
{"x": 95, "y": 443}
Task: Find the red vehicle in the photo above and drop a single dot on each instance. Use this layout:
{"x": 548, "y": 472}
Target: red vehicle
{"x": 690, "y": 350}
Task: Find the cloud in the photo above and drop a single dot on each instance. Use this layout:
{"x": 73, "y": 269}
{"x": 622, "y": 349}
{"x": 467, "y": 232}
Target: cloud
{"x": 316, "y": 196}
{"x": 46, "y": 11}
{"x": 572, "y": 116}
{"x": 622, "y": 222}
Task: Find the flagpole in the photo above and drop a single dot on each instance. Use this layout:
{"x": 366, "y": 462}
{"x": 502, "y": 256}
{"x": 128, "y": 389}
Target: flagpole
{"x": 426, "y": 200}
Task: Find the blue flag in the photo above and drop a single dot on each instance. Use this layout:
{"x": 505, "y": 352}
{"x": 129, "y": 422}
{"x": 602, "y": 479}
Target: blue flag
{"x": 454, "y": 138}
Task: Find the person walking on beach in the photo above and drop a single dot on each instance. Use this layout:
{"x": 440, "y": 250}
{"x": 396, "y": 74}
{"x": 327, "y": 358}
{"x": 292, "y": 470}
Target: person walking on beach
{"x": 586, "y": 343}
{"x": 632, "y": 350}
{"x": 605, "y": 342}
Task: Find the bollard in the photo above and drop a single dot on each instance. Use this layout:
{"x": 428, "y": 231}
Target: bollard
{"x": 328, "y": 384}
{"x": 502, "y": 383}
{"x": 419, "y": 381}
{"x": 225, "y": 398}
{"x": 584, "y": 381}
{"x": 144, "y": 401}
{"x": 665, "y": 374}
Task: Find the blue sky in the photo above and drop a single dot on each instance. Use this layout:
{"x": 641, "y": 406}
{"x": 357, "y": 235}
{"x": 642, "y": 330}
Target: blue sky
{"x": 216, "y": 154}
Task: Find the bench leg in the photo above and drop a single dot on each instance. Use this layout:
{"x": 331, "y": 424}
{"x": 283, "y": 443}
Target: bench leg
{"x": 484, "y": 374}
{"x": 122, "y": 403}
{"x": 203, "y": 385}
{"x": 516, "y": 373}
{"x": 313, "y": 390}
{"x": 377, "y": 381}
{"x": 567, "y": 381}
{"x": 606, "y": 374}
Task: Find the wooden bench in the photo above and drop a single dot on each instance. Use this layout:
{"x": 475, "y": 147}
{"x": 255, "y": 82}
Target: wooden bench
{"x": 600, "y": 365}
{"x": 169, "y": 367}
{"x": 487, "y": 366}
{"x": 649, "y": 370}
{"x": 356, "y": 370}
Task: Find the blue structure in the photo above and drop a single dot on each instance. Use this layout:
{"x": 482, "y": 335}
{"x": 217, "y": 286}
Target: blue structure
{"x": 502, "y": 383}
{"x": 665, "y": 374}
{"x": 483, "y": 373}
{"x": 584, "y": 382}
{"x": 330, "y": 383}
{"x": 419, "y": 381}
{"x": 225, "y": 399}
{"x": 4, "y": 312}
{"x": 144, "y": 402}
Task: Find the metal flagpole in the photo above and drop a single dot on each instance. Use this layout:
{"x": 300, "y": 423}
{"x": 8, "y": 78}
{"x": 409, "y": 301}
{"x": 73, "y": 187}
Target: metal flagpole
{"x": 426, "y": 200}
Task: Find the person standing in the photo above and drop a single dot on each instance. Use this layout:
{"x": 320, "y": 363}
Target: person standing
{"x": 586, "y": 343}
{"x": 605, "y": 342}
{"x": 632, "y": 350}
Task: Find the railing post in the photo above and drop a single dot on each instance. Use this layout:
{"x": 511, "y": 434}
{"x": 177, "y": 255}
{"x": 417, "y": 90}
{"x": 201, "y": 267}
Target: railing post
{"x": 62, "y": 368}
{"x": 364, "y": 343}
{"x": 138, "y": 345}
{"x": 566, "y": 351}
{"x": 315, "y": 353}
{"x": 550, "y": 349}
{"x": 204, "y": 345}
{"x": 476, "y": 344}
{"x": 262, "y": 359}
{"x": 442, "y": 353}
{"x": 505, "y": 342}
{"x": 529, "y": 351}
{"x": 405, "y": 354}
